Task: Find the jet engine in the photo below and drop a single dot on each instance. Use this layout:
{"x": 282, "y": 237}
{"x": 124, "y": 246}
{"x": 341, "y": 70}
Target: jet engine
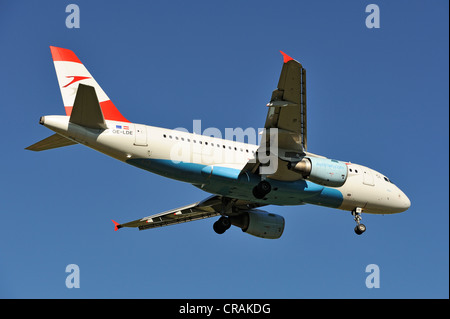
{"x": 322, "y": 171}
{"x": 259, "y": 223}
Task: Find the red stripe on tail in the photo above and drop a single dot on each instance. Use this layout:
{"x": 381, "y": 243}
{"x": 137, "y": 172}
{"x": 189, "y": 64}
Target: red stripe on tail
{"x": 109, "y": 110}
{"x": 60, "y": 54}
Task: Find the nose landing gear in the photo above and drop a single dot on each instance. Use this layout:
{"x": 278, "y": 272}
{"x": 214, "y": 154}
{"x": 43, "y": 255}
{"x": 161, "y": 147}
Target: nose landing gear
{"x": 360, "y": 228}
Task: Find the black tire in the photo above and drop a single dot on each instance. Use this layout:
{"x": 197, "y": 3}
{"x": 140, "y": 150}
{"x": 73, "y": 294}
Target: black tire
{"x": 359, "y": 229}
{"x": 222, "y": 225}
{"x": 262, "y": 189}
{"x": 226, "y": 223}
{"x": 218, "y": 228}
{"x": 257, "y": 193}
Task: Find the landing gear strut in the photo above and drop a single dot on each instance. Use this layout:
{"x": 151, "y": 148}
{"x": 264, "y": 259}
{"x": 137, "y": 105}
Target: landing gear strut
{"x": 360, "y": 228}
{"x": 221, "y": 225}
{"x": 262, "y": 189}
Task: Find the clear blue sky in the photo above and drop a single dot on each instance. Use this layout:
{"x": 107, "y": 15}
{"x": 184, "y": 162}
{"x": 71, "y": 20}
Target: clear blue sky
{"x": 377, "y": 97}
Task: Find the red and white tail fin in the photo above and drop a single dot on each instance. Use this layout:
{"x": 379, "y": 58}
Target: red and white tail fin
{"x": 71, "y": 72}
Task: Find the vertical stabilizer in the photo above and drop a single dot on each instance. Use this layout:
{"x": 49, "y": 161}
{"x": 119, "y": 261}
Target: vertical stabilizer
{"x": 71, "y": 72}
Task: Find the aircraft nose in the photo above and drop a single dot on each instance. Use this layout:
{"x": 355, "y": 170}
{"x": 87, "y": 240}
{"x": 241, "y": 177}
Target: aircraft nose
{"x": 405, "y": 202}
{"x": 408, "y": 202}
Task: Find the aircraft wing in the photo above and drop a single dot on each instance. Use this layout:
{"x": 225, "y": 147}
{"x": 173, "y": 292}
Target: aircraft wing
{"x": 287, "y": 107}
{"x": 286, "y": 114}
{"x": 210, "y": 207}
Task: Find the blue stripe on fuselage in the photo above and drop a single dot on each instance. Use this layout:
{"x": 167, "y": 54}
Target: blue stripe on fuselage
{"x": 182, "y": 171}
{"x": 329, "y": 197}
{"x": 283, "y": 193}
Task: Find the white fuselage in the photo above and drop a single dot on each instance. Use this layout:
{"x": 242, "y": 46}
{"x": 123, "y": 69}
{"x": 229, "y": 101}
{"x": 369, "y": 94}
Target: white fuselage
{"x": 214, "y": 164}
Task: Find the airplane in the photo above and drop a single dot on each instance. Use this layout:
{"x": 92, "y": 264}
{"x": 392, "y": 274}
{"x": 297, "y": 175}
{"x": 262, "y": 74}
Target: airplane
{"x": 242, "y": 177}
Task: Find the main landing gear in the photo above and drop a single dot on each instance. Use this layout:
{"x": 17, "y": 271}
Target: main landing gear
{"x": 360, "y": 228}
{"x": 222, "y": 225}
{"x": 262, "y": 189}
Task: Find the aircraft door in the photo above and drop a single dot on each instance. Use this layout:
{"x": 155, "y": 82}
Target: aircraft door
{"x": 368, "y": 177}
{"x": 140, "y": 136}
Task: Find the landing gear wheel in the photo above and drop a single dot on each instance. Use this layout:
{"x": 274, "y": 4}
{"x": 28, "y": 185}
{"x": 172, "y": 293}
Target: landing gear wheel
{"x": 359, "y": 229}
{"x": 262, "y": 189}
{"x": 221, "y": 225}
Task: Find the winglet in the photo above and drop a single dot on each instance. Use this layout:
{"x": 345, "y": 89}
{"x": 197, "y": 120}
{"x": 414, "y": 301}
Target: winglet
{"x": 286, "y": 57}
{"x": 117, "y": 225}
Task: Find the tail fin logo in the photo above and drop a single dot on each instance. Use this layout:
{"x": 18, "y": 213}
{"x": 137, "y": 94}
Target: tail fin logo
{"x": 75, "y": 79}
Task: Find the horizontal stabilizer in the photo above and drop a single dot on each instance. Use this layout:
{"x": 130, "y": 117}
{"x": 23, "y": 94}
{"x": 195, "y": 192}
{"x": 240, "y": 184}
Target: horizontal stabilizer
{"x": 86, "y": 109}
{"x": 50, "y": 142}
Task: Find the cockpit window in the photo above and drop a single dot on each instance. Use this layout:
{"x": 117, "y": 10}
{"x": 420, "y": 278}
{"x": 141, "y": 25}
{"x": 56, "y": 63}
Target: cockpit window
{"x": 387, "y": 180}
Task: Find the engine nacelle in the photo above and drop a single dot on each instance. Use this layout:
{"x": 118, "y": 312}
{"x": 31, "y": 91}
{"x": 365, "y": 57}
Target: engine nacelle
{"x": 322, "y": 171}
{"x": 260, "y": 223}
